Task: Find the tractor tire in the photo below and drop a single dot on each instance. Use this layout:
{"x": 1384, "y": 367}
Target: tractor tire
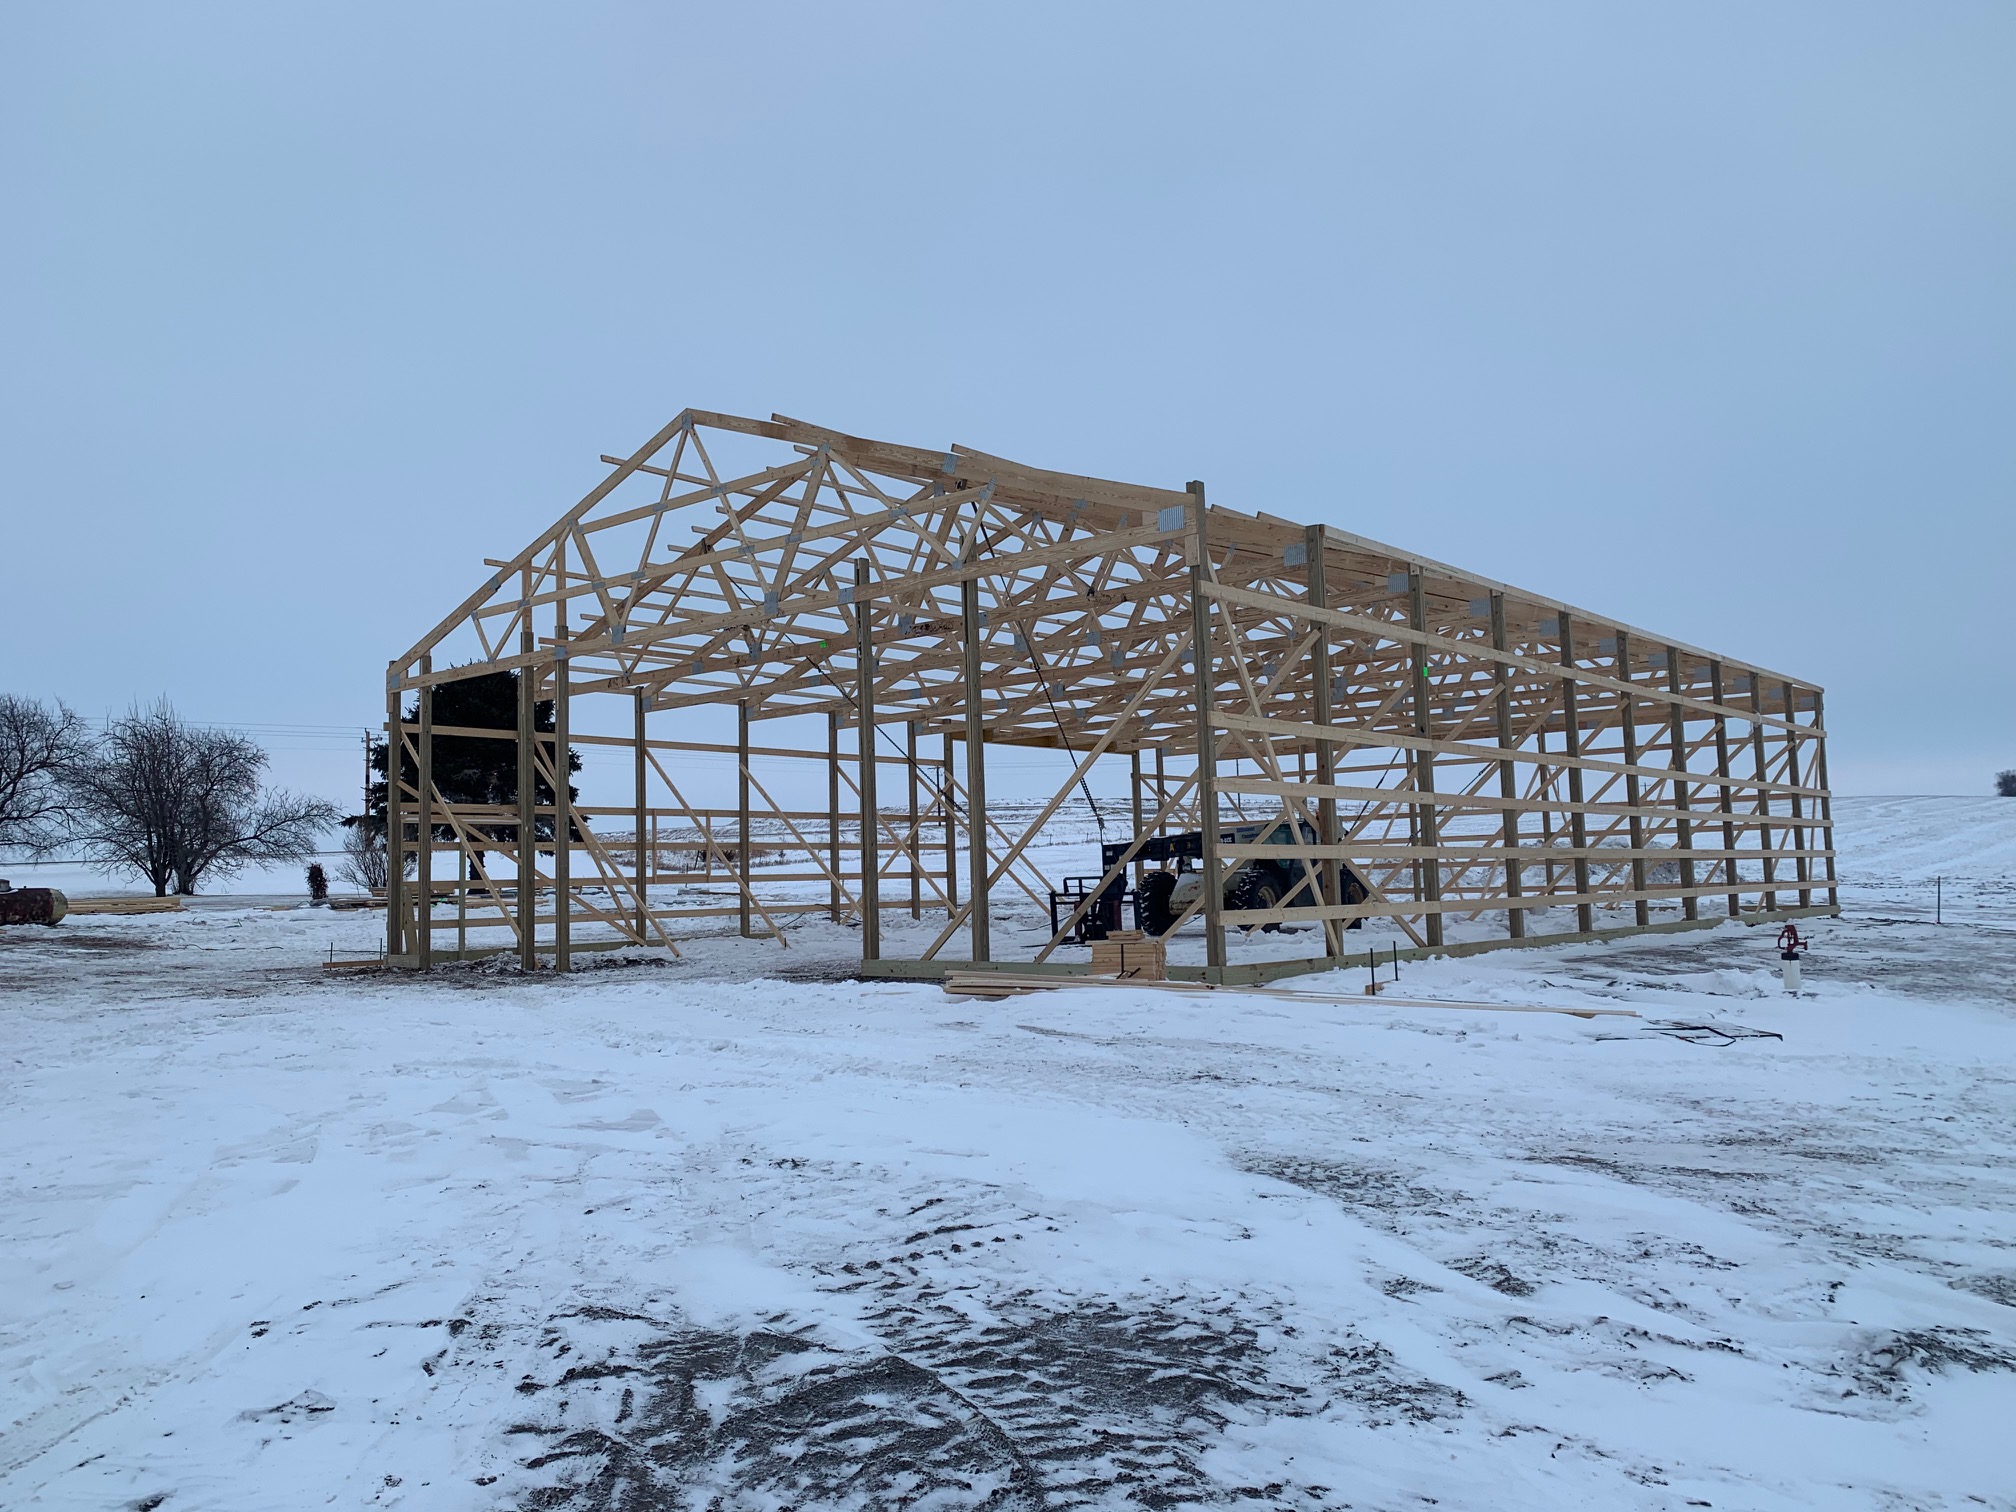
{"x": 1253, "y": 890}
{"x": 1354, "y": 892}
{"x": 1157, "y": 916}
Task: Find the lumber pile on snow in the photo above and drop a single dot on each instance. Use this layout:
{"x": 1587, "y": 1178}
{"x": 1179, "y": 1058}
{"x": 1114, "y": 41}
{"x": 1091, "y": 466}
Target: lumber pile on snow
{"x": 1130, "y": 953}
{"x": 169, "y": 904}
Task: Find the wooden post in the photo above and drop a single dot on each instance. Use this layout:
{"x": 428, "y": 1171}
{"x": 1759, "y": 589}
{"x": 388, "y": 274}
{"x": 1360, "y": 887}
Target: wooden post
{"x": 951, "y": 833}
{"x": 1578, "y": 821}
{"x": 461, "y": 902}
{"x": 563, "y": 817}
{"x": 1544, "y": 787}
{"x": 976, "y": 764}
{"x": 423, "y": 942}
{"x": 1161, "y": 789}
{"x": 528, "y": 815}
{"x": 1826, "y": 809}
{"x": 1134, "y": 789}
{"x": 1330, "y": 869}
{"x": 910, "y": 844}
{"x": 833, "y": 892}
{"x": 864, "y": 699}
{"x": 1202, "y": 660}
{"x": 1508, "y": 776}
{"x": 563, "y": 855}
{"x": 1677, "y": 759}
{"x": 1641, "y": 908}
{"x": 1769, "y": 902}
{"x": 645, "y": 857}
{"x": 1426, "y": 822}
{"x": 1801, "y": 867}
{"x": 743, "y": 849}
{"x": 395, "y": 824}
{"x": 1723, "y": 799}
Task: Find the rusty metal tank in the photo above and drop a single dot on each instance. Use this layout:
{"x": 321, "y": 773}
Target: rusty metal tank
{"x": 31, "y": 905}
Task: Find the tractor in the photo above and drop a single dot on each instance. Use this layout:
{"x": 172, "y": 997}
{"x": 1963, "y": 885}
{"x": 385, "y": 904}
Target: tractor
{"x": 1165, "y": 894}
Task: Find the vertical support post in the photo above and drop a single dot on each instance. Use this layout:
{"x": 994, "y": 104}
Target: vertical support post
{"x": 1634, "y": 791}
{"x": 1824, "y": 809}
{"x": 833, "y": 893}
{"x": 1676, "y": 745}
{"x": 645, "y": 854}
{"x": 1770, "y": 898}
{"x": 1427, "y": 821}
{"x": 423, "y": 942}
{"x": 528, "y": 811}
{"x": 563, "y": 854}
{"x": 1508, "y": 776}
{"x": 1801, "y": 863}
{"x": 1161, "y": 789}
{"x": 951, "y": 833}
{"x": 910, "y": 844}
{"x": 1134, "y": 791}
{"x": 461, "y": 902}
{"x": 1724, "y": 801}
{"x": 1544, "y": 787}
{"x": 563, "y": 816}
{"x": 1578, "y": 820}
{"x": 744, "y": 850}
{"x": 1330, "y": 869}
{"x": 976, "y": 761}
{"x": 1204, "y": 661}
{"x": 871, "y": 839}
{"x": 395, "y": 823}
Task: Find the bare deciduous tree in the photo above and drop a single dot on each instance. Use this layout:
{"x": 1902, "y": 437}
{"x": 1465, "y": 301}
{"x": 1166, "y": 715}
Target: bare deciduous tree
{"x": 39, "y": 746}
{"x": 177, "y": 803}
{"x": 364, "y": 865}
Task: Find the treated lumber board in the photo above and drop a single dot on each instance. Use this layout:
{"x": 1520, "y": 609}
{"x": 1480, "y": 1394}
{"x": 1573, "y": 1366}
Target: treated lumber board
{"x": 1458, "y": 852}
{"x": 1081, "y": 549}
{"x": 1482, "y": 904}
{"x": 1485, "y": 755}
{"x": 546, "y": 538}
{"x": 169, "y": 904}
{"x": 1481, "y": 651}
{"x": 1001, "y": 983}
{"x": 1480, "y": 586}
{"x": 1400, "y": 797}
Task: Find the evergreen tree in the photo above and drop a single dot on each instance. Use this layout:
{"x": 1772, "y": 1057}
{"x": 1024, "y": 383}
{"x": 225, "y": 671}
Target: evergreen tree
{"x": 473, "y": 768}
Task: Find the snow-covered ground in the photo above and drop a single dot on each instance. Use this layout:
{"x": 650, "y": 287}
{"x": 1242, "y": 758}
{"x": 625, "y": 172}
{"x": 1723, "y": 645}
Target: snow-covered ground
{"x": 733, "y": 1233}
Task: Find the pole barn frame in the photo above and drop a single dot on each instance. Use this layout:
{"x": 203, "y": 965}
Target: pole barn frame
{"x": 896, "y": 593}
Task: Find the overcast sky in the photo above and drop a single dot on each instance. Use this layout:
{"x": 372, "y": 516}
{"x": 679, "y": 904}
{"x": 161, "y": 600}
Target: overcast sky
{"x": 1701, "y": 315}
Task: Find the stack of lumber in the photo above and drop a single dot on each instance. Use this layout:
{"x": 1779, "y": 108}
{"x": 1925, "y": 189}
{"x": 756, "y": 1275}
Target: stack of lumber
{"x": 1005, "y": 984}
{"x": 125, "y": 905}
{"x": 1130, "y": 953}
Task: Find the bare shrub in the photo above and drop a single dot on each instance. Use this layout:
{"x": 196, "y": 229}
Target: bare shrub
{"x": 365, "y": 865}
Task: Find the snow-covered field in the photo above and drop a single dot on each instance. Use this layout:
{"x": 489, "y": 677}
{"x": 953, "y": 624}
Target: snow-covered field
{"x": 732, "y": 1233}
